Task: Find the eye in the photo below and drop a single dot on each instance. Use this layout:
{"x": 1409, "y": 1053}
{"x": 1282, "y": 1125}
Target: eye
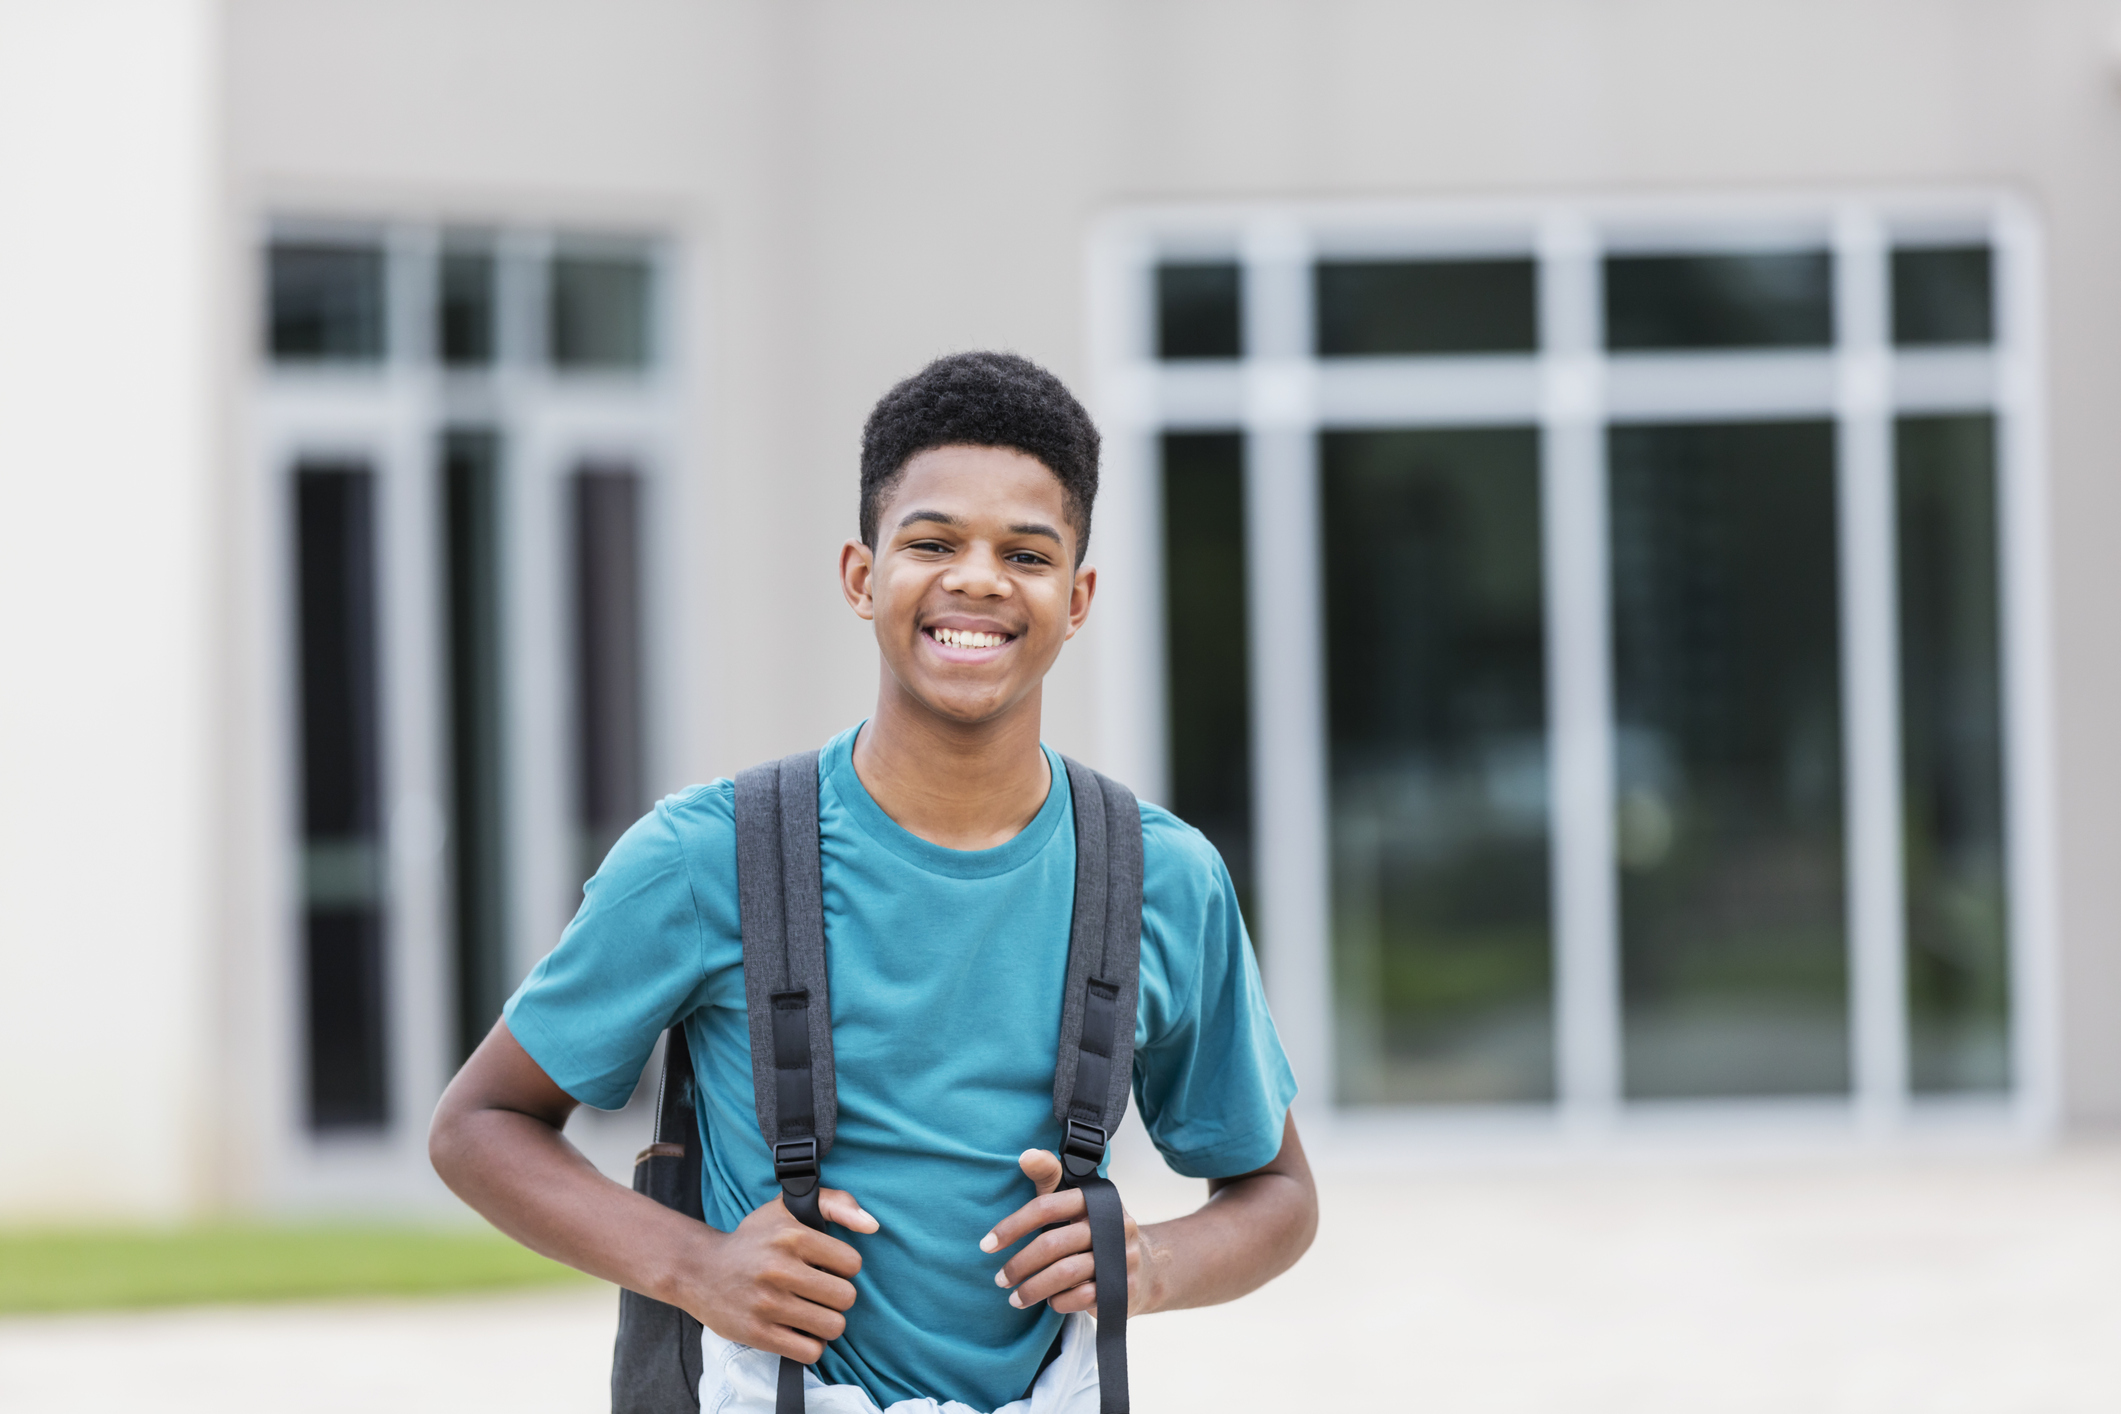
{"x": 935, "y": 547}
{"x": 1028, "y": 557}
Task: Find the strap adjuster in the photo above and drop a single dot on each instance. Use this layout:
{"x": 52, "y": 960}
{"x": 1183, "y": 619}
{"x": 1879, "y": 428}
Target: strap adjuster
{"x": 1083, "y": 1149}
{"x": 795, "y": 1165}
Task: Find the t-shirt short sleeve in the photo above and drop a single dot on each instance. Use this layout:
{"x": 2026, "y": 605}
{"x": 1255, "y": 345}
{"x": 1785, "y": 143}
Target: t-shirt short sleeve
{"x": 634, "y": 960}
{"x": 1210, "y": 1076}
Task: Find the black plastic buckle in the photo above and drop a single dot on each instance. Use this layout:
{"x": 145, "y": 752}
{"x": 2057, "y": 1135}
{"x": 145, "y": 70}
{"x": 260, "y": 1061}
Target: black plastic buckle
{"x": 795, "y": 1165}
{"x": 1083, "y": 1149}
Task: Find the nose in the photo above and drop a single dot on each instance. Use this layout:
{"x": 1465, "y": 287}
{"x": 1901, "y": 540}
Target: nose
{"x": 977, "y": 574}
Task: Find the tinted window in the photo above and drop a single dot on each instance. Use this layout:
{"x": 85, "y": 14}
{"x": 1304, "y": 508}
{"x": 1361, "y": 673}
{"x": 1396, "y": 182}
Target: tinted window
{"x": 1719, "y": 301}
{"x": 599, "y": 312}
{"x": 324, "y": 302}
{"x": 1943, "y": 296}
{"x": 1427, "y": 307}
{"x": 1199, "y": 313}
{"x": 464, "y": 317}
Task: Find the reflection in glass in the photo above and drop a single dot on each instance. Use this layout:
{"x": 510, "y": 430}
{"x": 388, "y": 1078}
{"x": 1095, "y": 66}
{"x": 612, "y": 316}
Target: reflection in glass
{"x": 1206, "y": 651}
{"x": 1778, "y": 300}
{"x": 610, "y": 781}
{"x": 342, "y": 792}
{"x": 464, "y": 316}
{"x": 471, "y": 491}
{"x": 1942, "y": 295}
{"x": 324, "y": 302}
{"x": 1426, "y": 307}
{"x": 1958, "y": 981}
{"x": 1729, "y": 760}
{"x": 1198, "y": 310}
{"x": 1442, "y": 946}
{"x": 599, "y": 312}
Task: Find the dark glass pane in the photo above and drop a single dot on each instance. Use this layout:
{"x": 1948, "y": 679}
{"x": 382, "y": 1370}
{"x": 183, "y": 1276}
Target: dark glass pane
{"x": 1943, "y": 296}
{"x": 610, "y": 718}
{"x": 341, "y": 780}
{"x": 1951, "y": 751}
{"x": 471, "y": 490}
{"x": 1205, "y": 638}
{"x": 599, "y": 312}
{"x": 325, "y": 302}
{"x": 1436, "y": 680}
{"x": 1727, "y": 691}
{"x": 1199, "y": 311}
{"x": 1719, "y": 301}
{"x": 465, "y": 312}
{"x": 1427, "y": 307}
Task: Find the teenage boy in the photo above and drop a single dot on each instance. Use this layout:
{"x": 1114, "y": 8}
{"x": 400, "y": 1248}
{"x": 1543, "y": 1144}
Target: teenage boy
{"x": 948, "y": 849}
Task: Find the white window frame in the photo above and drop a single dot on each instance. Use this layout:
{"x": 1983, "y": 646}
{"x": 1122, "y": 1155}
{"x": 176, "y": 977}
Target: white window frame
{"x": 1280, "y": 394}
{"x": 390, "y": 413}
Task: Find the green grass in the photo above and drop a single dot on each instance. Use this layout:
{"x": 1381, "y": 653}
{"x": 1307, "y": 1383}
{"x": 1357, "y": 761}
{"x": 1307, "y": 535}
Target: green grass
{"x": 74, "y": 1270}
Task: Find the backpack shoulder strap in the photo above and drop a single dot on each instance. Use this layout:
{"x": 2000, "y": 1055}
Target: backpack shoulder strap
{"x": 1094, "y": 1074}
{"x": 781, "y": 904}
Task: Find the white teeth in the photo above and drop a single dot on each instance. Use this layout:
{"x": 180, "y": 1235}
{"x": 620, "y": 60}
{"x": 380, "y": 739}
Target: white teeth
{"x": 966, "y": 638}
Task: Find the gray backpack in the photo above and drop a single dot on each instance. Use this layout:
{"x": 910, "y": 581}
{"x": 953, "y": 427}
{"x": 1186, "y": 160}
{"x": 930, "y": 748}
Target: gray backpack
{"x": 780, "y": 899}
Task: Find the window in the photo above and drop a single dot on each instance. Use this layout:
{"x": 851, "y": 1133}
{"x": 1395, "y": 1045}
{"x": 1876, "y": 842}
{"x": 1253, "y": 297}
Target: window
{"x": 473, "y": 567}
{"x": 1587, "y": 634}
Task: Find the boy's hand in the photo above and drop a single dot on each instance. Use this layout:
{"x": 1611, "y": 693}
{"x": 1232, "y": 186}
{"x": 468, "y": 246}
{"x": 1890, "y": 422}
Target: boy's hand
{"x": 1055, "y": 1267}
{"x": 778, "y": 1285}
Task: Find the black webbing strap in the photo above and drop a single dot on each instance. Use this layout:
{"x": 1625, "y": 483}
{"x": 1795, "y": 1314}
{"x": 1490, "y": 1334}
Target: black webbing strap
{"x": 1095, "y": 1065}
{"x": 781, "y": 904}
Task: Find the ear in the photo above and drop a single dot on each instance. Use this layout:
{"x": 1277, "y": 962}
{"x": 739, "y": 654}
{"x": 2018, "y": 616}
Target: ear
{"x": 857, "y": 574}
{"x": 1079, "y": 596}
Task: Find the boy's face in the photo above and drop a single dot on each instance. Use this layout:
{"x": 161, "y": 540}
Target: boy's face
{"x": 972, "y": 585}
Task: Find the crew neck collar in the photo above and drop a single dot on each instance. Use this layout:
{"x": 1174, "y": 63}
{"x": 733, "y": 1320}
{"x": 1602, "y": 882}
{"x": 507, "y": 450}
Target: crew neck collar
{"x": 837, "y": 765}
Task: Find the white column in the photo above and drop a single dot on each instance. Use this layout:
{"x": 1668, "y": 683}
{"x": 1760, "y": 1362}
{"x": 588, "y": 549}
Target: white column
{"x": 1282, "y": 557}
{"x": 1579, "y": 674}
{"x": 1870, "y": 671}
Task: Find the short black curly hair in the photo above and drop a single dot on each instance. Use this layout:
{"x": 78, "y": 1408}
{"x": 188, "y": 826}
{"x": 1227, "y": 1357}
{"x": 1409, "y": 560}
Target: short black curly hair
{"x": 982, "y": 399}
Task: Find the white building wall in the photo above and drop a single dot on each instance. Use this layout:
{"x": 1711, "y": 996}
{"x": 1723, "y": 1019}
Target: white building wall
{"x": 852, "y": 188}
{"x": 109, "y": 518}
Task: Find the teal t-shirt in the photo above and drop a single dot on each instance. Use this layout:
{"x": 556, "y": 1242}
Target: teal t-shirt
{"x": 946, "y": 971}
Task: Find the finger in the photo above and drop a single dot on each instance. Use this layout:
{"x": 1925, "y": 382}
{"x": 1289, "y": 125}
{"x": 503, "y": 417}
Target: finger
{"x": 1042, "y": 1167}
{"x": 805, "y": 1318}
{"x": 826, "y": 1253}
{"x": 1067, "y": 1272}
{"x": 1075, "y": 1298}
{"x": 799, "y": 1346}
{"x": 820, "y": 1288}
{"x": 839, "y": 1206}
{"x": 1042, "y": 1211}
{"x": 1043, "y": 1251}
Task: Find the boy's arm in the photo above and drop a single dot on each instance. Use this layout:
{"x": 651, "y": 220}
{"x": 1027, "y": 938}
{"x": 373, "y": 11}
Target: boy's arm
{"x": 772, "y": 1283}
{"x": 1252, "y": 1229}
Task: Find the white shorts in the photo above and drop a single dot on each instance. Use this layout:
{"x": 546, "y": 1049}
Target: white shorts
{"x": 739, "y": 1379}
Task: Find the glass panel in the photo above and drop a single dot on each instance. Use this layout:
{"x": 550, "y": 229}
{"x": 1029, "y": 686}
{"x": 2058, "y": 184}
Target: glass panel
{"x": 1199, "y": 311}
{"x": 464, "y": 315}
{"x": 599, "y": 312}
{"x": 611, "y": 785}
{"x": 325, "y": 302}
{"x": 1427, "y": 307}
{"x": 471, "y": 521}
{"x": 1727, "y": 691}
{"x": 1951, "y": 751}
{"x": 341, "y": 777}
{"x": 1783, "y": 300}
{"x": 1943, "y": 296}
{"x": 1442, "y": 947}
{"x": 1207, "y": 651}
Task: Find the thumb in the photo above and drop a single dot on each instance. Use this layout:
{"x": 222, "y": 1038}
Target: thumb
{"x": 1042, "y": 1167}
{"x": 839, "y": 1206}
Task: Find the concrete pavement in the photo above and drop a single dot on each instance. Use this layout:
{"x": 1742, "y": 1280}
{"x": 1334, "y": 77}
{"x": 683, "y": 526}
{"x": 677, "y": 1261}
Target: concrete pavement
{"x": 1933, "y": 1285}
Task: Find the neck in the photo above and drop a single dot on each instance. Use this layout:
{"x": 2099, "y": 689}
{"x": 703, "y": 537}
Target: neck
{"x": 961, "y": 785}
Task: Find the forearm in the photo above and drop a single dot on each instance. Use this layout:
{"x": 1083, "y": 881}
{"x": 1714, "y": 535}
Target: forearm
{"x": 1251, "y": 1229}
{"x": 523, "y": 1176}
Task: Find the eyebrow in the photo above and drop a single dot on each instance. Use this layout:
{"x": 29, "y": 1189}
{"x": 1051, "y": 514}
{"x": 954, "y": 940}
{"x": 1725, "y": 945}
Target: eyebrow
{"x": 1029, "y": 527}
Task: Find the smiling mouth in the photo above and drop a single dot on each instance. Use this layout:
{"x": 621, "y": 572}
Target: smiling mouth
{"x": 967, "y": 638}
